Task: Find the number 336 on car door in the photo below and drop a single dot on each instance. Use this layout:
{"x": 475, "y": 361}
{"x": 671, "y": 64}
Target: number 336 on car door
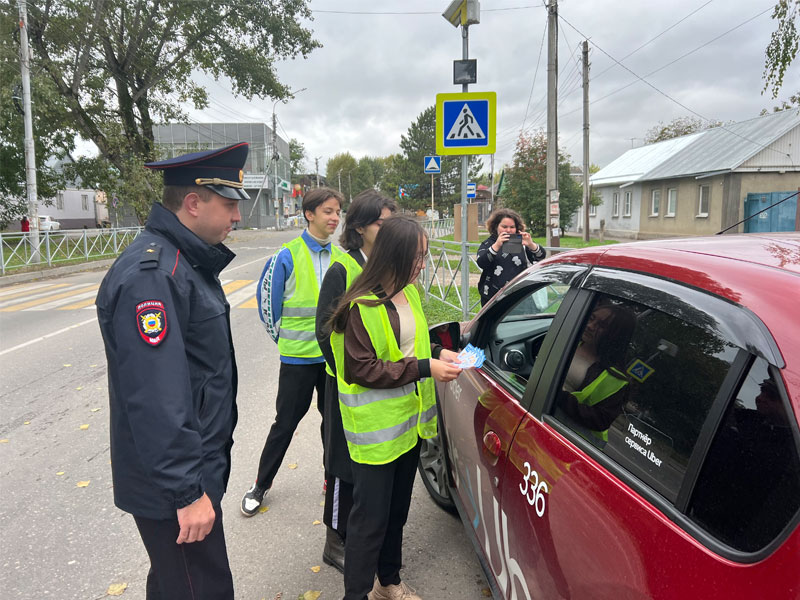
{"x": 533, "y": 489}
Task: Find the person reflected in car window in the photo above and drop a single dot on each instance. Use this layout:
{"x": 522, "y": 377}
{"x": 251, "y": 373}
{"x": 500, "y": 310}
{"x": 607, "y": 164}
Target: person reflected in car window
{"x": 595, "y": 386}
{"x": 502, "y": 256}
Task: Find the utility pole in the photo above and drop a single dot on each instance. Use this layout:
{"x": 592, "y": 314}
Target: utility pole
{"x": 316, "y": 166}
{"x": 464, "y": 208}
{"x": 339, "y": 174}
{"x": 552, "y": 216}
{"x": 586, "y": 187}
{"x": 30, "y": 153}
{"x": 275, "y": 157}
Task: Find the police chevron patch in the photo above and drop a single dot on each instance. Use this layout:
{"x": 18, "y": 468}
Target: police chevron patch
{"x": 151, "y": 320}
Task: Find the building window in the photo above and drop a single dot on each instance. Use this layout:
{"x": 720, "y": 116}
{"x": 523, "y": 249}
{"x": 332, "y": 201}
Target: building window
{"x": 60, "y": 201}
{"x": 672, "y": 201}
{"x": 615, "y": 204}
{"x": 592, "y": 210}
{"x": 626, "y": 210}
{"x": 703, "y": 200}
{"x": 655, "y": 202}
{"x": 85, "y": 201}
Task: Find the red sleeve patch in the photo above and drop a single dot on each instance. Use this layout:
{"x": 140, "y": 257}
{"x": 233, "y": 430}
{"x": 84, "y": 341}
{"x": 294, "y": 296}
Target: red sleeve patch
{"x": 151, "y": 319}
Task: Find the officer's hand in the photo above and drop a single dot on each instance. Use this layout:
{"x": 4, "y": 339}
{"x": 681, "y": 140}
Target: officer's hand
{"x": 196, "y": 521}
{"x": 442, "y": 371}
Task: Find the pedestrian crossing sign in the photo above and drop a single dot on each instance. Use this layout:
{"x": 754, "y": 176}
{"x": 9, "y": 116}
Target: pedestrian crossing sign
{"x": 465, "y": 123}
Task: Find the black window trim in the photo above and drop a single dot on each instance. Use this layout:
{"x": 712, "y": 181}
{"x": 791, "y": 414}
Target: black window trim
{"x": 542, "y": 400}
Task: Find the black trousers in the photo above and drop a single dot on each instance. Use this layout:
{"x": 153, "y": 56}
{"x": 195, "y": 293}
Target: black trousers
{"x": 296, "y": 384}
{"x": 338, "y": 504}
{"x": 374, "y": 543}
{"x": 196, "y": 571}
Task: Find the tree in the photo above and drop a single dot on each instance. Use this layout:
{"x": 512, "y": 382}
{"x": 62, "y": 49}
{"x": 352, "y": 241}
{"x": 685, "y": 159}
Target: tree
{"x": 297, "y": 157}
{"x": 120, "y": 66}
{"x": 676, "y": 128}
{"x": 337, "y": 170}
{"x": 526, "y": 181}
{"x": 783, "y": 45}
{"x": 407, "y": 168}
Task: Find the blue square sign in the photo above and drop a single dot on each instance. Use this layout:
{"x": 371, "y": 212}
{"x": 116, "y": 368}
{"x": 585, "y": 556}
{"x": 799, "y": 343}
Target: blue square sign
{"x": 432, "y": 165}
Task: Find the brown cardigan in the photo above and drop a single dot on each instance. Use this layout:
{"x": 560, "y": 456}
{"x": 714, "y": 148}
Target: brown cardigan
{"x": 363, "y": 367}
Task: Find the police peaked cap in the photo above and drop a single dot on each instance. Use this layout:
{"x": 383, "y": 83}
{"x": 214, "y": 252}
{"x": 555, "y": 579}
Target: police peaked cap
{"x": 219, "y": 170}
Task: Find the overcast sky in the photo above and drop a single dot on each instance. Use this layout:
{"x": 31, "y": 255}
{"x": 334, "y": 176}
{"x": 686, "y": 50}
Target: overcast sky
{"x": 377, "y": 72}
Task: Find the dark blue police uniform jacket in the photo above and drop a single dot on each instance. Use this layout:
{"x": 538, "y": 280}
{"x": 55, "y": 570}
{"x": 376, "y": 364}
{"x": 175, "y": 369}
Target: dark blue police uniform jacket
{"x": 171, "y": 369}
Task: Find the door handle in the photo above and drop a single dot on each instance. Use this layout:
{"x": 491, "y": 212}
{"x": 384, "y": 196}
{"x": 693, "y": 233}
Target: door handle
{"x": 491, "y": 441}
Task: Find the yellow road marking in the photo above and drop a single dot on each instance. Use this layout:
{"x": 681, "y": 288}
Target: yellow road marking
{"x": 78, "y": 305}
{"x": 47, "y": 299}
{"x": 35, "y": 290}
{"x": 249, "y": 304}
{"x": 231, "y": 287}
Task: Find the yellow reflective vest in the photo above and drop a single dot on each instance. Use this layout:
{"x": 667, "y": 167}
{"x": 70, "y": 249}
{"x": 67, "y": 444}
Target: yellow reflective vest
{"x": 382, "y": 424}
{"x": 298, "y": 314}
{"x": 605, "y": 385}
{"x": 352, "y": 270}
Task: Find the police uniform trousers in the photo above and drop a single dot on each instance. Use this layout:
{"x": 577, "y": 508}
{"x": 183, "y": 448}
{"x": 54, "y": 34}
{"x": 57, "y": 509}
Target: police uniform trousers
{"x": 296, "y": 385}
{"x": 196, "y": 571}
{"x": 374, "y": 543}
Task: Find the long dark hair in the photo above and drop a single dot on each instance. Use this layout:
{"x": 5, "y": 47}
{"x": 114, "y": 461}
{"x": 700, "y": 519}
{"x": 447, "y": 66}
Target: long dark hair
{"x": 364, "y": 210}
{"x": 612, "y": 345}
{"x": 389, "y": 268}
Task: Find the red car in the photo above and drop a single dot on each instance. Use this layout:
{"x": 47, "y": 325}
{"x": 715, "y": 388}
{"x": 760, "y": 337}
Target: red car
{"x": 633, "y": 432}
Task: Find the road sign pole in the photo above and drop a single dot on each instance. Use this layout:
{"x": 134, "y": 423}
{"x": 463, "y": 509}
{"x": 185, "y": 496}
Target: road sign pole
{"x": 464, "y": 222}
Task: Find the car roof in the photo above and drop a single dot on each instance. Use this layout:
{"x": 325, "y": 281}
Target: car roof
{"x": 758, "y": 271}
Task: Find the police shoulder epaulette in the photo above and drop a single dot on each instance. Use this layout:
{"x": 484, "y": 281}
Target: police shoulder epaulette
{"x": 150, "y": 256}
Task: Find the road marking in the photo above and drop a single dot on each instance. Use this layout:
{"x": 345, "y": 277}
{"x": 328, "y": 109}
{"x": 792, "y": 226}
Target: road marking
{"x": 91, "y": 294}
{"x": 26, "y": 287}
{"x": 240, "y": 296}
{"x": 84, "y": 304}
{"x": 262, "y": 259}
{"x": 46, "y": 289}
{"x": 235, "y": 285}
{"x": 252, "y": 303}
{"x": 49, "y": 298}
{"x": 49, "y": 335}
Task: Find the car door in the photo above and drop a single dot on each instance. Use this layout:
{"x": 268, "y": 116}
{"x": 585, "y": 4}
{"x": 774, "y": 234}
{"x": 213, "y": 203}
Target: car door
{"x": 622, "y": 498}
{"x": 481, "y": 409}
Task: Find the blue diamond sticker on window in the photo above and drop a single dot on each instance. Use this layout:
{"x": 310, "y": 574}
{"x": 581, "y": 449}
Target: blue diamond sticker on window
{"x": 640, "y": 370}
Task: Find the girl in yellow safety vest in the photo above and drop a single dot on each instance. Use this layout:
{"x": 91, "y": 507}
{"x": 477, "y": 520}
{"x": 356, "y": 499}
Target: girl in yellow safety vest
{"x": 385, "y": 366}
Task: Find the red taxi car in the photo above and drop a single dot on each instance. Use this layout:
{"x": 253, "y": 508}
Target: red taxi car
{"x": 633, "y": 432}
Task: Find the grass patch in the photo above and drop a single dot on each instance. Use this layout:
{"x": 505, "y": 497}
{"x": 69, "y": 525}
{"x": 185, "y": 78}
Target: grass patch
{"x": 437, "y": 311}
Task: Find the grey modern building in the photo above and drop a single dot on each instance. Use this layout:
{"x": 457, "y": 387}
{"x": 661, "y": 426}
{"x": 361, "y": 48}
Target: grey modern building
{"x": 265, "y": 180}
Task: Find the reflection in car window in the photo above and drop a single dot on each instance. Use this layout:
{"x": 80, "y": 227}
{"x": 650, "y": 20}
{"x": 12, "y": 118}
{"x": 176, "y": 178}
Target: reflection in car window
{"x": 749, "y": 486}
{"x": 516, "y": 338}
{"x": 643, "y": 392}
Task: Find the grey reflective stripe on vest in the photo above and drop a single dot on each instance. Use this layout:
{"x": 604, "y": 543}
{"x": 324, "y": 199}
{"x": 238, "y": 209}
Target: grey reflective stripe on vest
{"x": 303, "y": 336}
{"x": 381, "y": 435}
{"x": 372, "y": 395}
{"x": 299, "y": 311}
{"x": 390, "y": 433}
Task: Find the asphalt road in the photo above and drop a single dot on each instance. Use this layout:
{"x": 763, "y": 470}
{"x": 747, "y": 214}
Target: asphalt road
{"x": 61, "y": 535}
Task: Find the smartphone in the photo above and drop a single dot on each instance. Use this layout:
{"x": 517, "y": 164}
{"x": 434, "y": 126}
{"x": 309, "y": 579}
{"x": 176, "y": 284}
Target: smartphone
{"x": 513, "y": 245}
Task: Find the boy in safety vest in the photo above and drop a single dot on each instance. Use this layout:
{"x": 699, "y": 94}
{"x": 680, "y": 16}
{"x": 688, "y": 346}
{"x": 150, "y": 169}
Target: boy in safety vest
{"x": 288, "y": 292}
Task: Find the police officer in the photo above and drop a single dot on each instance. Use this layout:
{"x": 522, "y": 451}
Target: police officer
{"x": 172, "y": 374}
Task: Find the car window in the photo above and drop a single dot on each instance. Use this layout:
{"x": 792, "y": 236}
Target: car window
{"x": 639, "y": 384}
{"x": 749, "y": 486}
{"x": 514, "y": 342}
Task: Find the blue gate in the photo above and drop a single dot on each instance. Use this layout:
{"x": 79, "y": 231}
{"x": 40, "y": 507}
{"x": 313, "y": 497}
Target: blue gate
{"x": 778, "y": 218}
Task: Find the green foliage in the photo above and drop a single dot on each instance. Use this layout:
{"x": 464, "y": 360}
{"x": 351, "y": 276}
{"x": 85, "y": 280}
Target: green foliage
{"x": 118, "y": 67}
{"x": 676, "y": 128}
{"x": 406, "y": 169}
{"x": 297, "y": 157}
{"x": 338, "y": 169}
{"x": 526, "y": 179}
{"x": 783, "y": 45}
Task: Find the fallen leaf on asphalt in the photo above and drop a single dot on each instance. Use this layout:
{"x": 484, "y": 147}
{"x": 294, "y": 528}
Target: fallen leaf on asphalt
{"x": 85, "y": 426}
{"x": 315, "y": 569}
{"x": 116, "y": 589}
{"x": 80, "y": 387}
{"x": 4, "y": 441}
{"x": 27, "y": 423}
{"x": 310, "y": 595}
{"x": 487, "y": 592}
{"x": 263, "y": 509}
{"x": 322, "y": 503}
{"x": 82, "y": 484}
{"x": 317, "y": 522}
{"x": 60, "y": 473}
{"x": 92, "y": 366}
{"x": 95, "y": 409}
{"x": 67, "y": 365}
{"x": 293, "y": 466}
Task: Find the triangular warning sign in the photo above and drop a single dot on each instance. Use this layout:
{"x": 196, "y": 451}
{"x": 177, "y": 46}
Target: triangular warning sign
{"x": 432, "y": 165}
{"x": 465, "y": 126}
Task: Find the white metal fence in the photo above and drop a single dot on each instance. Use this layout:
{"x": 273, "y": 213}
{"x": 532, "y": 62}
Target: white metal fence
{"x": 18, "y": 250}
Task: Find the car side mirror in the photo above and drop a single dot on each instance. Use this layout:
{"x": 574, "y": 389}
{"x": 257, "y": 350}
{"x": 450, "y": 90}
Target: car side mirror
{"x": 448, "y": 335}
